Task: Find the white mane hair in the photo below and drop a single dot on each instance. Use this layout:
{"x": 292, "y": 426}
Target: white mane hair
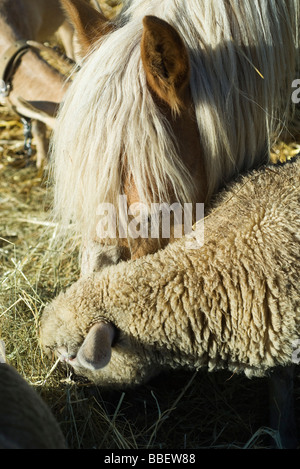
{"x": 243, "y": 62}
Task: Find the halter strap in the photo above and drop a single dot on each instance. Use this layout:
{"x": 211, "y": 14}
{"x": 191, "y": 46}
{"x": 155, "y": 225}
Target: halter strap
{"x": 8, "y": 64}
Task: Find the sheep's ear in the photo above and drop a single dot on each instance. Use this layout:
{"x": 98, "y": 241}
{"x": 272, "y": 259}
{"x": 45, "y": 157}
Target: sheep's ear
{"x": 166, "y": 61}
{"x": 89, "y": 24}
{"x": 95, "y": 351}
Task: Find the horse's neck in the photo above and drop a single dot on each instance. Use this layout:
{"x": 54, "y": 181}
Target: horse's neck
{"x": 35, "y": 80}
{"x": 185, "y": 129}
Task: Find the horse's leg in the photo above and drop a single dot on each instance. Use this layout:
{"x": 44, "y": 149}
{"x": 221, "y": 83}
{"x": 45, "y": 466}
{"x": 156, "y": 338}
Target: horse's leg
{"x": 282, "y": 418}
{"x": 39, "y": 134}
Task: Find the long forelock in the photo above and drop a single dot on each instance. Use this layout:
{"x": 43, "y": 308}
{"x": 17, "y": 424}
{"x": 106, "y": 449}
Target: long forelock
{"x": 109, "y": 126}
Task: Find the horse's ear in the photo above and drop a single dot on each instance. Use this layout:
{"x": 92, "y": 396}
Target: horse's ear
{"x": 166, "y": 61}
{"x": 89, "y": 24}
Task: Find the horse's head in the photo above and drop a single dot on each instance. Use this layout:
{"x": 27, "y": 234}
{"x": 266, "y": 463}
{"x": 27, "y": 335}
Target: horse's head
{"x": 165, "y": 111}
{"x": 166, "y": 64}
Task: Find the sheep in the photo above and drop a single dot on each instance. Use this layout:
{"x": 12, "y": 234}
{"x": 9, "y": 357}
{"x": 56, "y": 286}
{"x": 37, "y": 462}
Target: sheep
{"x": 233, "y": 303}
{"x": 25, "y": 420}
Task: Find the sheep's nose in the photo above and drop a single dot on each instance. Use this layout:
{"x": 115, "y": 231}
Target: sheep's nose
{"x": 64, "y": 355}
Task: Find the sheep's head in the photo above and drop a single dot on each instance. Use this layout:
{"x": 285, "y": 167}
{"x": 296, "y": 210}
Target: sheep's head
{"x": 102, "y": 353}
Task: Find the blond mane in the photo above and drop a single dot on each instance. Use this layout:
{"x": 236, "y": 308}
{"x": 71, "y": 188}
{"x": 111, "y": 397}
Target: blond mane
{"x": 243, "y": 61}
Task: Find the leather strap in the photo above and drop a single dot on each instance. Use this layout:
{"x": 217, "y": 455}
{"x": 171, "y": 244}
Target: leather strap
{"x": 8, "y": 64}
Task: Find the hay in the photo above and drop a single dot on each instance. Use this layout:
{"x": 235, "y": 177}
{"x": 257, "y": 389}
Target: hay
{"x": 178, "y": 410}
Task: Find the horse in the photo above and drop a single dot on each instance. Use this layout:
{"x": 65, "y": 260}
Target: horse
{"x": 171, "y": 100}
{"x": 28, "y": 84}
